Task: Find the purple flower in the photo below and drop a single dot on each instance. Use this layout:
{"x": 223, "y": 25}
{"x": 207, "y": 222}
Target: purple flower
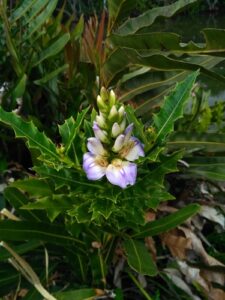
{"x": 118, "y": 172}
{"x": 128, "y": 147}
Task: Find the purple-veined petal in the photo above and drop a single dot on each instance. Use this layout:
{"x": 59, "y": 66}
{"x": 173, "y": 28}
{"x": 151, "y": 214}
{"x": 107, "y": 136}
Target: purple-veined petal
{"x": 128, "y": 132}
{"x": 118, "y": 143}
{"x": 116, "y": 176}
{"x": 94, "y": 166}
{"x": 135, "y": 151}
{"x": 121, "y": 173}
{"x": 95, "y": 146}
{"x": 131, "y": 172}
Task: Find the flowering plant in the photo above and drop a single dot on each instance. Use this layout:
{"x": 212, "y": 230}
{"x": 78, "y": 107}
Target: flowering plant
{"x": 98, "y": 185}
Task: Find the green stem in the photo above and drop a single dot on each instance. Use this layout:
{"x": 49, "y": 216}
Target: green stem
{"x": 142, "y": 290}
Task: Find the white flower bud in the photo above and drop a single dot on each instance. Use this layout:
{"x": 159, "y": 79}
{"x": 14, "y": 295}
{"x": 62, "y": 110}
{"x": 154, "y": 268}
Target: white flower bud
{"x": 116, "y": 130}
{"x": 121, "y": 112}
{"x": 104, "y": 94}
{"x": 100, "y": 102}
{"x": 112, "y": 98}
{"x": 123, "y": 124}
{"x": 113, "y": 114}
{"x": 100, "y": 134}
{"x": 101, "y": 121}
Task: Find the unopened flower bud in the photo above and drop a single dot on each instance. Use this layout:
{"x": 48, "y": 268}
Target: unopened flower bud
{"x": 121, "y": 112}
{"x": 113, "y": 114}
{"x": 116, "y": 130}
{"x": 123, "y": 124}
{"x": 104, "y": 94}
{"x": 100, "y": 103}
{"x": 112, "y": 98}
{"x": 101, "y": 121}
{"x": 100, "y": 134}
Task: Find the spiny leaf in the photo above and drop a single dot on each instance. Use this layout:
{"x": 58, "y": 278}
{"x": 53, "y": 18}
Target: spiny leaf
{"x": 69, "y": 131}
{"x": 168, "y": 222}
{"x": 33, "y": 186}
{"x": 173, "y": 108}
{"x": 139, "y": 258}
{"x": 35, "y": 139}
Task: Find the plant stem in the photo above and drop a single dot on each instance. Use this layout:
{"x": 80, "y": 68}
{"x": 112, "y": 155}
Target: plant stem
{"x": 142, "y": 290}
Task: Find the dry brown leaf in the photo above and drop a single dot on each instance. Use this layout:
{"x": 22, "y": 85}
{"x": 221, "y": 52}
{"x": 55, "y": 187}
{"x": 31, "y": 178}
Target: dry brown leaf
{"x": 197, "y": 246}
{"x": 150, "y": 216}
{"x": 177, "y": 244}
{"x": 176, "y": 277}
{"x": 150, "y": 243}
{"x": 216, "y": 294}
{"x": 212, "y": 214}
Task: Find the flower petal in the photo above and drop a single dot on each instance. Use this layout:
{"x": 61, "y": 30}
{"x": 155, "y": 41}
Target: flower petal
{"x": 93, "y": 170}
{"x": 95, "y": 146}
{"x": 128, "y": 132}
{"x": 121, "y": 173}
{"x": 135, "y": 151}
{"x": 130, "y": 170}
{"x": 116, "y": 176}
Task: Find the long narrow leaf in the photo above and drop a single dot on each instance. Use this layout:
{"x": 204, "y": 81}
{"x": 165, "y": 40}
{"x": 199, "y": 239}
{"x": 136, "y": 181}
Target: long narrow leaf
{"x": 169, "y": 222}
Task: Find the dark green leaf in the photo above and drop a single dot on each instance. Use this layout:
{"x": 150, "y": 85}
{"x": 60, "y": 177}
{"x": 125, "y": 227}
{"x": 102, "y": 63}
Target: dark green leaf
{"x": 51, "y": 75}
{"x": 148, "y": 18}
{"x": 34, "y": 186}
{"x": 46, "y": 232}
{"x": 17, "y": 200}
{"x": 209, "y": 142}
{"x": 139, "y": 258}
{"x": 53, "y": 49}
{"x": 35, "y": 139}
{"x": 82, "y": 294}
{"x": 169, "y": 222}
